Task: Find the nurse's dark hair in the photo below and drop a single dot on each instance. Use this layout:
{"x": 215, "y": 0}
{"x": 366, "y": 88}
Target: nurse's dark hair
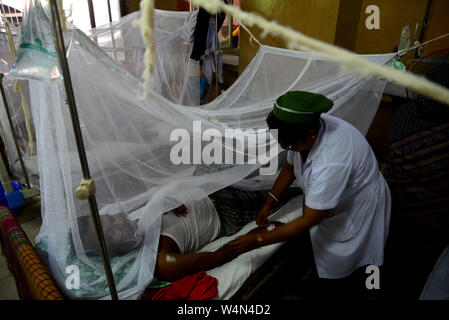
{"x": 290, "y": 132}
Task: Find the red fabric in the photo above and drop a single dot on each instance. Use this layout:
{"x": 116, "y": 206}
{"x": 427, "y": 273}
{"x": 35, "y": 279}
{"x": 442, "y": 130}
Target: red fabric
{"x": 198, "y": 286}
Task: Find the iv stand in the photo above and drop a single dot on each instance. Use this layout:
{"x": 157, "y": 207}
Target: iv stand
{"x": 87, "y": 188}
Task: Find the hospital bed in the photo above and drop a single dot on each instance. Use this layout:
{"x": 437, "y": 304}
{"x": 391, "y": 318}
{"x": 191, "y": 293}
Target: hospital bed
{"x": 237, "y": 278}
{"x": 249, "y": 276}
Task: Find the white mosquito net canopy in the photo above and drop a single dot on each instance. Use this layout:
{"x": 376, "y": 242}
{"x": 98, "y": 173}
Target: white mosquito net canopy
{"x": 148, "y": 156}
{"x": 14, "y": 100}
{"x": 176, "y": 76}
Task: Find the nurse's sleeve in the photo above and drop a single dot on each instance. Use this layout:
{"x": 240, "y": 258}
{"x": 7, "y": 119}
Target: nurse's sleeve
{"x": 327, "y": 186}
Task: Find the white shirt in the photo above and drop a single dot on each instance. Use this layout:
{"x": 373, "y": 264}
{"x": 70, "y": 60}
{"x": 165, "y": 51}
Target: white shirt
{"x": 341, "y": 176}
{"x": 192, "y": 232}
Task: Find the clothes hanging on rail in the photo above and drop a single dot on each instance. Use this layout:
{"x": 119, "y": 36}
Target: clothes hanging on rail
{"x": 201, "y": 31}
{"x": 210, "y": 63}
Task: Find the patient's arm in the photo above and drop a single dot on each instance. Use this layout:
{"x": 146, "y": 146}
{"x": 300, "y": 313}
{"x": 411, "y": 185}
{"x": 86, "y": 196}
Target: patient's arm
{"x": 171, "y": 265}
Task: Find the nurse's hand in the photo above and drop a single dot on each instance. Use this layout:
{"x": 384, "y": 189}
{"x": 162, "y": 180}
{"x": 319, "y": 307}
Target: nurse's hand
{"x": 262, "y": 217}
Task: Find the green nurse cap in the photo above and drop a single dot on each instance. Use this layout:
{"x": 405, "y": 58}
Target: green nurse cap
{"x": 301, "y": 106}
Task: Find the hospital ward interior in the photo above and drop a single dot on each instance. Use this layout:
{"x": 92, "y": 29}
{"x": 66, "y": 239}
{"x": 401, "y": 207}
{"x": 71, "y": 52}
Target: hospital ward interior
{"x": 224, "y": 150}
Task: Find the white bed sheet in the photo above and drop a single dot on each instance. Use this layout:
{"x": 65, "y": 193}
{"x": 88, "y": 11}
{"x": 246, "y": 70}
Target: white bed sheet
{"x": 232, "y": 275}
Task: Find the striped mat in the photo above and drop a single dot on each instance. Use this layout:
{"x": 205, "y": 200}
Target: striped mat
{"x": 33, "y": 281}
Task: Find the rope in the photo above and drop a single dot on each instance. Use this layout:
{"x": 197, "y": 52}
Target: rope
{"x": 251, "y": 36}
{"x": 297, "y": 40}
{"x": 423, "y": 44}
{"x": 301, "y": 74}
{"x": 145, "y": 23}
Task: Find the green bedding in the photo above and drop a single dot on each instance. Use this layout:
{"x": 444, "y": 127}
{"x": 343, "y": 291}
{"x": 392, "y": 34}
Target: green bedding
{"x": 93, "y": 284}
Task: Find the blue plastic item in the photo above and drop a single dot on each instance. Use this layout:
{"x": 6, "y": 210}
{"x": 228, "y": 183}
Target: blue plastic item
{"x": 14, "y": 200}
{"x": 203, "y": 87}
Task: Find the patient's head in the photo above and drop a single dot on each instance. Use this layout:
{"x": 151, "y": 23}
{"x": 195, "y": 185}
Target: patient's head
{"x": 119, "y": 234}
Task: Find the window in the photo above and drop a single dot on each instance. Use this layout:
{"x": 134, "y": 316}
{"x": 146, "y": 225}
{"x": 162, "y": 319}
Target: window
{"x": 78, "y": 12}
{"x": 12, "y": 11}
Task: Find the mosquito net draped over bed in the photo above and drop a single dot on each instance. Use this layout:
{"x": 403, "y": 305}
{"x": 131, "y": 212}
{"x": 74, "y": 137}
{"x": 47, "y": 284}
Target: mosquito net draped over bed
{"x": 176, "y": 76}
{"x": 150, "y": 156}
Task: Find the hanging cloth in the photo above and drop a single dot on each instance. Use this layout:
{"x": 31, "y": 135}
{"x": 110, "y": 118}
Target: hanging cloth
{"x": 201, "y": 32}
{"x": 212, "y": 45}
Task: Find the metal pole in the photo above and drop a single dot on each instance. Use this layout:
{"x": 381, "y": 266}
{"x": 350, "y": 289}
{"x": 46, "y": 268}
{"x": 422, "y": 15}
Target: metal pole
{"x": 92, "y": 20}
{"x": 216, "y": 55}
{"x": 91, "y": 14}
{"x": 4, "y": 177}
{"x": 112, "y": 30}
{"x": 13, "y": 131}
{"x": 80, "y": 145}
{"x": 426, "y": 21}
{"x": 109, "y": 11}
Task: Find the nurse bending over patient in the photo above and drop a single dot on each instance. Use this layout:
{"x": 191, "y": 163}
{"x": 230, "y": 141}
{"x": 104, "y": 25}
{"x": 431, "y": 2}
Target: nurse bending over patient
{"x": 347, "y": 201}
{"x": 346, "y": 209}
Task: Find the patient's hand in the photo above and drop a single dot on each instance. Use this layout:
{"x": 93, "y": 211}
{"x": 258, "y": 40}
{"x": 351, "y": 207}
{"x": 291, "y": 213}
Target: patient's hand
{"x": 180, "y": 211}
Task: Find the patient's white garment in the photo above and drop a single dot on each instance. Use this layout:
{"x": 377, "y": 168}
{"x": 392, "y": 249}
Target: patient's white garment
{"x": 199, "y": 227}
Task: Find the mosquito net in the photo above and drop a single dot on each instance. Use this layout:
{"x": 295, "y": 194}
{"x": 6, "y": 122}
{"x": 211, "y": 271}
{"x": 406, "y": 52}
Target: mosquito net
{"x": 176, "y": 76}
{"x": 15, "y": 103}
{"x": 150, "y": 156}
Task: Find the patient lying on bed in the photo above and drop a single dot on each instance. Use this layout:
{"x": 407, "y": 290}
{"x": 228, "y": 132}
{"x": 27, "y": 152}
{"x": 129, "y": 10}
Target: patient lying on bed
{"x": 188, "y": 228}
{"x": 184, "y": 231}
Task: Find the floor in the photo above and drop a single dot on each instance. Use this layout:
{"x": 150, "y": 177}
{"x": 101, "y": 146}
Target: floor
{"x": 31, "y": 221}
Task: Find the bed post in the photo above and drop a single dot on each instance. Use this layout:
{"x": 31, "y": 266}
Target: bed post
{"x": 86, "y": 190}
{"x": 112, "y": 30}
{"x": 13, "y": 131}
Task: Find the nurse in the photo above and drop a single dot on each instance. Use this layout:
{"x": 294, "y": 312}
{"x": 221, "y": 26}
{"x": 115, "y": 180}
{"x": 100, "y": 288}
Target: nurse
{"x": 346, "y": 199}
